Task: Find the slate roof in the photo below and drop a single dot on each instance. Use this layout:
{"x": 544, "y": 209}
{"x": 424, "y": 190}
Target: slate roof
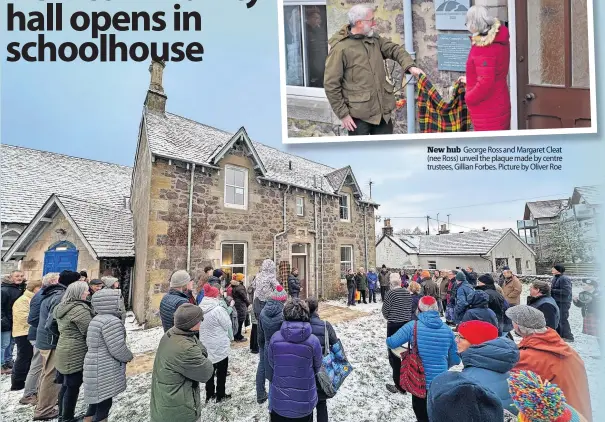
{"x": 545, "y": 209}
{"x": 176, "y": 137}
{"x": 109, "y": 231}
{"x": 474, "y": 242}
{"x": 590, "y": 194}
{"x": 28, "y": 177}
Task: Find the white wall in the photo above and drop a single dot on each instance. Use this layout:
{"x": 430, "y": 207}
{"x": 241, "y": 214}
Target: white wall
{"x": 479, "y": 264}
{"x": 510, "y": 247}
{"x": 391, "y": 255}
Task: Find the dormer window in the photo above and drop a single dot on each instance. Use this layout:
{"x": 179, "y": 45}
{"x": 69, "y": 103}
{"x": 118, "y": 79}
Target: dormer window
{"x": 345, "y": 207}
{"x": 236, "y": 187}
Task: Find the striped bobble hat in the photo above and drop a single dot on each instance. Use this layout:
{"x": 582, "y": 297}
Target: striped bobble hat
{"x": 537, "y": 400}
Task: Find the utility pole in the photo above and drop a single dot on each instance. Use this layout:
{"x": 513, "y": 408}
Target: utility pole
{"x": 428, "y": 227}
{"x": 370, "y": 183}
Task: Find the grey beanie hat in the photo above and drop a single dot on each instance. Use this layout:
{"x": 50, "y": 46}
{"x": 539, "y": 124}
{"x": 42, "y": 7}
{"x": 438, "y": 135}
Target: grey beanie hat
{"x": 180, "y": 278}
{"x": 526, "y": 316}
{"x": 187, "y": 316}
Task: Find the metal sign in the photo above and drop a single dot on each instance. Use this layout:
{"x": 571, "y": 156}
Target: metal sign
{"x": 452, "y": 51}
{"x": 451, "y": 14}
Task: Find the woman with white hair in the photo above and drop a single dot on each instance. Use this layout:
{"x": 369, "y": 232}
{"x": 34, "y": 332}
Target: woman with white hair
{"x": 436, "y": 347}
{"x": 487, "y": 93}
{"x": 73, "y": 316}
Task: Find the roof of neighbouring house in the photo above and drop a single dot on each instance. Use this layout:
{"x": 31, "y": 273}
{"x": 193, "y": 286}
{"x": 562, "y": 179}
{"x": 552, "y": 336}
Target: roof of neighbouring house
{"x": 545, "y": 209}
{"x": 474, "y": 242}
{"x": 590, "y": 194}
{"x": 107, "y": 232}
{"x": 179, "y": 138}
{"x": 28, "y": 177}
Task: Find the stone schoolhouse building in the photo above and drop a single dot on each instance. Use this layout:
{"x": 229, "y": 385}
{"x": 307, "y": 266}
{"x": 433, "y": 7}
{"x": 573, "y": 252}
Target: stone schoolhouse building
{"x": 202, "y": 196}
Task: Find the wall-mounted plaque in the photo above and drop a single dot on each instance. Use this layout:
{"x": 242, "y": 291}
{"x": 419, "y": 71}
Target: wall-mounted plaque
{"x": 452, "y": 51}
{"x": 451, "y": 14}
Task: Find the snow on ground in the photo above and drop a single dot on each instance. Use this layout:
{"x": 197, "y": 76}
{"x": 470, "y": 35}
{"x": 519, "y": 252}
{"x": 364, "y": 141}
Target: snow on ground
{"x": 362, "y": 397}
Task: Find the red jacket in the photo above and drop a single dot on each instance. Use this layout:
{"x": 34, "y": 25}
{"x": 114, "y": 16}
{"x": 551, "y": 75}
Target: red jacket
{"x": 487, "y": 93}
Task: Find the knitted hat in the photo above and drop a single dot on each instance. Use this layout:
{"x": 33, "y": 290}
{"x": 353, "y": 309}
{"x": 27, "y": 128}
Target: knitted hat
{"x": 239, "y": 277}
{"x": 460, "y": 276}
{"x": 210, "y": 291}
{"x": 279, "y": 294}
{"x": 384, "y": 266}
{"x": 487, "y": 279}
{"x": 218, "y": 273}
{"x": 428, "y": 300}
{"x": 66, "y": 277}
{"x": 95, "y": 282}
{"x": 559, "y": 268}
{"x": 187, "y": 316}
{"x": 526, "y": 316}
{"x": 477, "y": 332}
{"x": 425, "y": 274}
{"x": 455, "y": 398}
{"x": 506, "y": 268}
{"x": 180, "y": 278}
{"x": 537, "y": 400}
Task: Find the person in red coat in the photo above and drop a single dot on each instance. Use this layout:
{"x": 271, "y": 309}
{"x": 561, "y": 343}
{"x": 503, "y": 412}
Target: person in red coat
{"x": 487, "y": 92}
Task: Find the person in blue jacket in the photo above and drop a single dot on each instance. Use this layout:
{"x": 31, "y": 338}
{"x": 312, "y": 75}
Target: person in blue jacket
{"x": 372, "y": 283}
{"x": 478, "y": 310}
{"x": 488, "y": 358}
{"x": 436, "y": 347}
{"x": 463, "y": 293}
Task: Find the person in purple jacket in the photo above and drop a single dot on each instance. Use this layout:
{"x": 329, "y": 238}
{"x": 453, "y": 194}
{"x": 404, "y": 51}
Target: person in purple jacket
{"x": 295, "y": 356}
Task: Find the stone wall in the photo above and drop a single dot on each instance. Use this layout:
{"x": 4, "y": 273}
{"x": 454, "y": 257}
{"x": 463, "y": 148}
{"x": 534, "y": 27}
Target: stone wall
{"x": 213, "y": 224}
{"x": 139, "y": 205}
{"x": 389, "y": 16}
{"x": 33, "y": 263}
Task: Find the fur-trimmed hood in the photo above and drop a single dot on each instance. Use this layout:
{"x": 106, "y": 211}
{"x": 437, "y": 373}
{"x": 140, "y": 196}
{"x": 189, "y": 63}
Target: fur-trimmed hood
{"x": 498, "y": 33}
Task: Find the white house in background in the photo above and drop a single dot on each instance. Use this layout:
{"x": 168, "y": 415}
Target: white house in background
{"x": 485, "y": 251}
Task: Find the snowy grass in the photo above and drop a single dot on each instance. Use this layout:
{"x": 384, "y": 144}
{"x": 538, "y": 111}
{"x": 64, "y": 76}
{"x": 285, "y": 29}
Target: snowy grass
{"x": 362, "y": 397}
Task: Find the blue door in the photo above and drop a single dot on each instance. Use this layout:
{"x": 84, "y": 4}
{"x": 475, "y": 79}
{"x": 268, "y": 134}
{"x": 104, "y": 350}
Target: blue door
{"x": 59, "y": 257}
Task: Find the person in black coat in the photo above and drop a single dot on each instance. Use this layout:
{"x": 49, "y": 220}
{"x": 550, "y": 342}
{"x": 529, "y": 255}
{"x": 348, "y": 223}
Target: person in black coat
{"x": 320, "y": 328}
{"x": 240, "y": 297}
{"x": 541, "y": 299}
{"x": 471, "y": 275}
{"x": 560, "y": 290}
{"x": 293, "y": 283}
{"x": 351, "y": 286}
{"x": 487, "y": 284}
{"x": 12, "y": 289}
{"x": 180, "y": 284}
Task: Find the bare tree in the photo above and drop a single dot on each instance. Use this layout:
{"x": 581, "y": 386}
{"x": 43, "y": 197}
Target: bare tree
{"x": 566, "y": 242}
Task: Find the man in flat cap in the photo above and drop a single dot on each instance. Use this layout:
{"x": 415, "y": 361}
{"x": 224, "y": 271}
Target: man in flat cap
{"x": 544, "y": 352}
{"x": 181, "y": 364}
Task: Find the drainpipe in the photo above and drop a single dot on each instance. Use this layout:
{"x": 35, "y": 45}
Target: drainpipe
{"x": 321, "y": 217}
{"x": 408, "y": 34}
{"x": 365, "y": 236}
{"x": 284, "y": 231}
{"x": 316, "y": 254}
{"x": 190, "y": 218}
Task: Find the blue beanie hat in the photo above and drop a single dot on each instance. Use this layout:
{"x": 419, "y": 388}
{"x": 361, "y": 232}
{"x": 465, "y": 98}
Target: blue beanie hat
{"x": 453, "y": 397}
{"x": 460, "y": 276}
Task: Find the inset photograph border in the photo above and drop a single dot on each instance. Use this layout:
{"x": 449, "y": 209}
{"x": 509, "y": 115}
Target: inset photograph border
{"x": 541, "y": 73}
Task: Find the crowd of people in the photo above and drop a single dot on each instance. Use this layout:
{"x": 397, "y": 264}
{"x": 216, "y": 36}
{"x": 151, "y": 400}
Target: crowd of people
{"x": 69, "y": 334}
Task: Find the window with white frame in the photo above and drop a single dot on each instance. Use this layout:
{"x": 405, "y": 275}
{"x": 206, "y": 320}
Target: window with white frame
{"x": 432, "y": 265}
{"x": 300, "y": 206}
{"x": 346, "y": 260}
{"x": 306, "y": 46}
{"x": 233, "y": 258}
{"x": 345, "y": 207}
{"x": 236, "y": 187}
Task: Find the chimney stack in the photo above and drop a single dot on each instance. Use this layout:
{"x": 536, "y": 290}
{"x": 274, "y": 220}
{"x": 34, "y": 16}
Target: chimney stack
{"x": 156, "y": 98}
{"x": 387, "y": 230}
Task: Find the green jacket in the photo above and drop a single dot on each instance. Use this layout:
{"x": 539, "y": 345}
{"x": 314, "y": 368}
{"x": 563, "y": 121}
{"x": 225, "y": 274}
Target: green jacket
{"x": 73, "y": 318}
{"x": 181, "y": 364}
{"x": 361, "y": 281}
{"x": 355, "y": 79}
